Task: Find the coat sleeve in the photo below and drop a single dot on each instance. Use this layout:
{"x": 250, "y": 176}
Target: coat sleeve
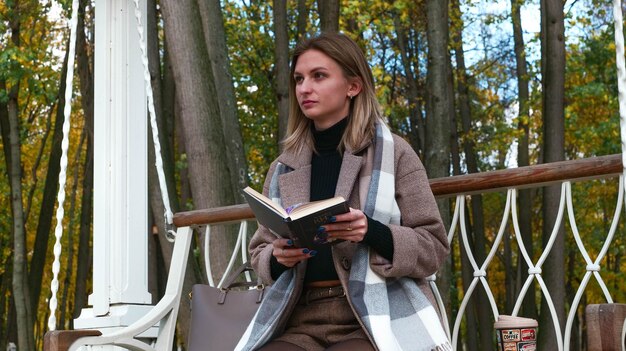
{"x": 420, "y": 241}
{"x": 260, "y": 247}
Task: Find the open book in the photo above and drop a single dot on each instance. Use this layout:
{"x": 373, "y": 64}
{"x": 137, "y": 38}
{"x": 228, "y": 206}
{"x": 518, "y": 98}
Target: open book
{"x": 300, "y": 222}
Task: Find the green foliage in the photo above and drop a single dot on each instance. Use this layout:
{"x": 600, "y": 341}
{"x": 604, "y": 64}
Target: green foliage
{"x": 592, "y": 113}
{"x": 248, "y": 31}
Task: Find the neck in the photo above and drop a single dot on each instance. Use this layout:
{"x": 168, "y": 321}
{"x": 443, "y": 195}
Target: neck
{"x": 325, "y": 124}
{"x": 328, "y": 140}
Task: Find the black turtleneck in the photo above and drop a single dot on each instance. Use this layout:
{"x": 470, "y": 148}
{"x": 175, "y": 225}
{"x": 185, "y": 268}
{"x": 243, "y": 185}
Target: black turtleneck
{"x": 325, "y": 167}
{"x": 326, "y": 162}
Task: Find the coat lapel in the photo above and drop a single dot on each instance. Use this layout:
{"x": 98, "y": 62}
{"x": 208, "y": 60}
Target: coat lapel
{"x": 295, "y": 186}
{"x": 350, "y": 168}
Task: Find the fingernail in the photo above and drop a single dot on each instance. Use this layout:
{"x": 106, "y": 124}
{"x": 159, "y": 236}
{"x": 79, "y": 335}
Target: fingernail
{"x": 290, "y": 242}
{"x": 305, "y": 251}
{"x": 313, "y": 253}
{"x": 321, "y": 229}
{"x": 332, "y": 219}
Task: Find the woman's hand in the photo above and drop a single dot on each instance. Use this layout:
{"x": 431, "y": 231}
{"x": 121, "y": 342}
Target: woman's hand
{"x": 289, "y": 256}
{"x": 350, "y": 226}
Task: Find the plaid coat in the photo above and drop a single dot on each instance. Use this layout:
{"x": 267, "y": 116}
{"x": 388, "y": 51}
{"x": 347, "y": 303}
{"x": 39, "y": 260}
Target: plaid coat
{"x": 420, "y": 243}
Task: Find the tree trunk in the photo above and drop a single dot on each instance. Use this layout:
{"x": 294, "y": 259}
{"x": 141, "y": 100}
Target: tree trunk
{"x": 439, "y": 107}
{"x": 201, "y": 124}
{"x": 5, "y": 302}
{"x": 34, "y": 170}
{"x": 281, "y": 68}
{"x": 21, "y": 294}
{"x": 10, "y": 333}
{"x": 529, "y": 306}
{"x": 416, "y": 132}
{"x": 553, "y": 89}
{"x": 329, "y": 15}
{"x": 21, "y": 291}
{"x": 440, "y": 102}
{"x": 215, "y": 37}
{"x": 4, "y": 125}
{"x": 209, "y": 175}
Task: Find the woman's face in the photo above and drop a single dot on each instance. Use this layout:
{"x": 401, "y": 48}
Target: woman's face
{"x": 322, "y": 90}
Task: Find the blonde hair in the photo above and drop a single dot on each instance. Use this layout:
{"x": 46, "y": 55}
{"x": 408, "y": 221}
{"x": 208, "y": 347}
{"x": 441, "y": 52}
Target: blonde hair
{"x": 364, "y": 107}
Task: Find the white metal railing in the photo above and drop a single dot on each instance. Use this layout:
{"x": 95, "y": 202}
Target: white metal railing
{"x": 534, "y": 272}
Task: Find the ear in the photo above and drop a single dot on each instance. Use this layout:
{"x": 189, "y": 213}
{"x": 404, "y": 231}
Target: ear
{"x": 355, "y": 87}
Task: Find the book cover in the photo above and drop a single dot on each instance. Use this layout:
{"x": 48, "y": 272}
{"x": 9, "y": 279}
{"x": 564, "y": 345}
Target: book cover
{"x": 299, "y": 223}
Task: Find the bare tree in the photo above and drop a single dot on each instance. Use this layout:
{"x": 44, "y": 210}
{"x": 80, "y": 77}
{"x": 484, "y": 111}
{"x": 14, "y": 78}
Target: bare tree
{"x": 329, "y": 15}
{"x": 209, "y": 174}
{"x": 281, "y": 66}
{"x": 553, "y": 90}
{"x": 439, "y": 103}
{"x": 215, "y": 38}
{"x": 416, "y": 135}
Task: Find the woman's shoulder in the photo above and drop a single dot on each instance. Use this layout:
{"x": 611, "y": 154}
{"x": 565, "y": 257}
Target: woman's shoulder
{"x": 404, "y": 154}
{"x": 401, "y": 146}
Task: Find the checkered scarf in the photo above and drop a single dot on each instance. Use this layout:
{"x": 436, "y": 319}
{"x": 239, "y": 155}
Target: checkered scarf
{"x": 395, "y": 311}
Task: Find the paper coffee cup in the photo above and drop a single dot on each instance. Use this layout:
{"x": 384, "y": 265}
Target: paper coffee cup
{"x": 516, "y": 333}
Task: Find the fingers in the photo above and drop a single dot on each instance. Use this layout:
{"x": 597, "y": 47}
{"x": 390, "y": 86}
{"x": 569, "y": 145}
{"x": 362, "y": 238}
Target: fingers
{"x": 350, "y": 226}
{"x": 288, "y": 255}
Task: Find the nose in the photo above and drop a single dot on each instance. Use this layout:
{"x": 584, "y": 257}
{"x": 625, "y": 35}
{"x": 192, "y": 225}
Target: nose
{"x": 304, "y": 87}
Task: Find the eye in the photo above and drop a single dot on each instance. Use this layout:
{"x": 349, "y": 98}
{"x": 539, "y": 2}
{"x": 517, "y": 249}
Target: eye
{"x": 318, "y": 75}
{"x": 298, "y": 79}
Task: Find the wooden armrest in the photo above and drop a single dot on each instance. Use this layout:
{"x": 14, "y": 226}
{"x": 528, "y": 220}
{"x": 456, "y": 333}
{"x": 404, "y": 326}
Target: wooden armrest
{"x": 604, "y": 326}
{"x": 61, "y": 340}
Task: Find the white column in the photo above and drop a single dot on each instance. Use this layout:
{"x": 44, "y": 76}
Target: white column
{"x": 120, "y": 219}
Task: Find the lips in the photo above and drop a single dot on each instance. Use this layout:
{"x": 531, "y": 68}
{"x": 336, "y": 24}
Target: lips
{"x": 308, "y": 103}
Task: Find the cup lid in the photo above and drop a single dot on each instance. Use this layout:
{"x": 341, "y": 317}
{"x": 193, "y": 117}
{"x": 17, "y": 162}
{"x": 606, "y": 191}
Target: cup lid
{"x": 505, "y": 321}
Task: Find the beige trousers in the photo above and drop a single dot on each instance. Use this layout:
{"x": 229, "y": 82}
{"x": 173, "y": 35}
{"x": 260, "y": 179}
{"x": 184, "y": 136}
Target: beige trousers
{"x": 318, "y": 322}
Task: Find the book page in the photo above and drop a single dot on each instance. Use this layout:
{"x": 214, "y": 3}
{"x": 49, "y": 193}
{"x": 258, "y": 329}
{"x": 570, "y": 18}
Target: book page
{"x": 312, "y": 207}
{"x": 266, "y": 200}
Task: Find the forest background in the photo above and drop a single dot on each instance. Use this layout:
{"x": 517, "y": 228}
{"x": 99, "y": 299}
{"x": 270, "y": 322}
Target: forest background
{"x": 473, "y": 86}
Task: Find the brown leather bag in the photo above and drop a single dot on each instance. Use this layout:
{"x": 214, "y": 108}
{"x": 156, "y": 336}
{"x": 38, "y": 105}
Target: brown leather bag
{"x": 220, "y": 316}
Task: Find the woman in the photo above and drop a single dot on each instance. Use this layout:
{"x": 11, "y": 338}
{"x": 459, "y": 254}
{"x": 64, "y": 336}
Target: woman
{"x": 362, "y": 286}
